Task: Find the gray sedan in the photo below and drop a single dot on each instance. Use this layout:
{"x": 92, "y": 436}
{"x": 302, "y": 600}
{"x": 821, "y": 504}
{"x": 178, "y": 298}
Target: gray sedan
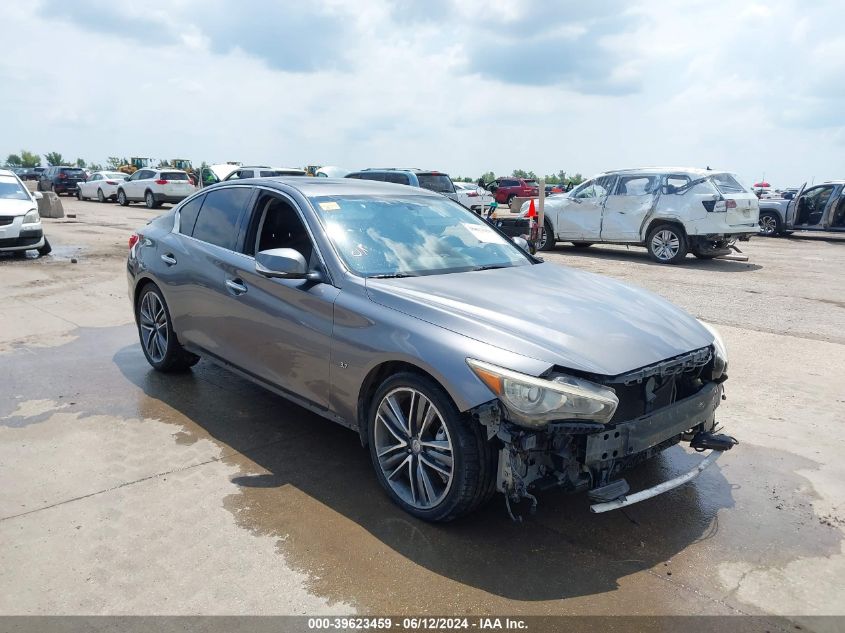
{"x": 466, "y": 365}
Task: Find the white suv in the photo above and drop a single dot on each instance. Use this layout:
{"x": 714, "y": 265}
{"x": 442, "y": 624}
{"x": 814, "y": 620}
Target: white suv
{"x": 20, "y": 224}
{"x": 154, "y": 186}
{"x": 670, "y": 211}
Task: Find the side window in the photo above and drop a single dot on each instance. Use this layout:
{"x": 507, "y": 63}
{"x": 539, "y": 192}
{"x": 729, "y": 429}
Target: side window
{"x": 399, "y": 179}
{"x": 276, "y": 224}
{"x": 355, "y": 176}
{"x": 188, "y": 215}
{"x": 217, "y": 222}
{"x": 677, "y": 180}
{"x": 603, "y": 186}
{"x": 636, "y": 185}
{"x": 371, "y": 175}
{"x": 96, "y": 177}
{"x": 584, "y": 190}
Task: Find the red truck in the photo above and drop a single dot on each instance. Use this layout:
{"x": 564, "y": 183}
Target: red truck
{"x": 506, "y": 189}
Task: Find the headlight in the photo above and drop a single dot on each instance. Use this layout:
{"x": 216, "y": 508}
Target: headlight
{"x": 534, "y": 401}
{"x": 720, "y": 349}
{"x": 32, "y": 217}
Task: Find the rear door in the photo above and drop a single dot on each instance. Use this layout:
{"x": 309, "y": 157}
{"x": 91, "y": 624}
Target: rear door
{"x": 625, "y": 210}
{"x": 176, "y": 184}
{"x": 811, "y": 207}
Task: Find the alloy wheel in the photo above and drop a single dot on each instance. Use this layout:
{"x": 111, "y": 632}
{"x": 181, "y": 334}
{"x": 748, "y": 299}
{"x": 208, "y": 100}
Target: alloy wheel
{"x": 153, "y": 323}
{"x": 100, "y": 195}
{"x": 414, "y": 448}
{"x": 768, "y": 225}
{"x": 665, "y": 245}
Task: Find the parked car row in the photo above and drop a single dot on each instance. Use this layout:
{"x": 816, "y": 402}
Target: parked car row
{"x": 817, "y": 208}
{"x": 20, "y": 222}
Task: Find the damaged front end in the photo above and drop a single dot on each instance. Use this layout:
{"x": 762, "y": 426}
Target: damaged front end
{"x": 658, "y": 407}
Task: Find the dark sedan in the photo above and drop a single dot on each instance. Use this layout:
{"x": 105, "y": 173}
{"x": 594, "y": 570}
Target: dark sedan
{"x": 466, "y": 365}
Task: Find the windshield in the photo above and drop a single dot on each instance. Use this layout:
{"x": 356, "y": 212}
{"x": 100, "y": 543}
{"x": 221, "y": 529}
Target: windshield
{"x": 412, "y": 235}
{"x": 11, "y": 189}
{"x": 441, "y": 183}
{"x": 726, "y": 183}
{"x": 117, "y": 175}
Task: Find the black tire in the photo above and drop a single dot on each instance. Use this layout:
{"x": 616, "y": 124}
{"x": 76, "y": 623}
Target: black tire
{"x": 701, "y": 255}
{"x": 100, "y": 197}
{"x": 46, "y": 249}
{"x": 473, "y": 456}
{"x": 510, "y": 198}
{"x": 174, "y": 357}
{"x": 150, "y": 201}
{"x": 582, "y": 244}
{"x": 79, "y": 194}
{"x": 547, "y": 244}
{"x": 770, "y": 224}
{"x": 678, "y": 241}
{"x": 122, "y": 199}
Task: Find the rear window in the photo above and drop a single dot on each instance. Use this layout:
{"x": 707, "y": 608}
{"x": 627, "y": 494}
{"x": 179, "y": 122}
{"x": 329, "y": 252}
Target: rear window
{"x": 531, "y": 183}
{"x": 174, "y": 175}
{"x": 71, "y": 171}
{"x": 441, "y": 183}
{"x": 727, "y": 183}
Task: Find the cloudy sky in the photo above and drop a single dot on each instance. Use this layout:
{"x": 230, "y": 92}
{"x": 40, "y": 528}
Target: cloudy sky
{"x": 463, "y": 86}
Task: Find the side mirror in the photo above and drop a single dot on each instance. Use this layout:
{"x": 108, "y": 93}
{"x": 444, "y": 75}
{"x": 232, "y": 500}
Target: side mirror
{"x": 523, "y": 244}
{"x": 669, "y": 189}
{"x": 283, "y": 263}
{"x": 37, "y": 195}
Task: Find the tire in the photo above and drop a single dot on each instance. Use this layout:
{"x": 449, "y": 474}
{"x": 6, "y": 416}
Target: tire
{"x": 667, "y": 244}
{"x": 582, "y": 244}
{"x": 100, "y": 196}
{"x": 701, "y": 255}
{"x": 510, "y": 198}
{"x": 150, "y": 201}
{"x": 53, "y": 189}
{"x": 396, "y": 455}
{"x": 155, "y": 331}
{"x": 79, "y": 194}
{"x": 545, "y": 243}
{"x": 122, "y": 199}
{"x": 46, "y": 249}
{"x": 770, "y": 224}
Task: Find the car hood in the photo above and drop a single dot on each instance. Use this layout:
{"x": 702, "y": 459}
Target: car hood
{"x": 16, "y": 207}
{"x": 551, "y": 313}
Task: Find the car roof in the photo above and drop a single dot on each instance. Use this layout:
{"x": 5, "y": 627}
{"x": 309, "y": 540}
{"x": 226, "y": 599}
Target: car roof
{"x": 6, "y": 172}
{"x": 311, "y": 187}
{"x": 412, "y": 170}
{"x": 692, "y": 171}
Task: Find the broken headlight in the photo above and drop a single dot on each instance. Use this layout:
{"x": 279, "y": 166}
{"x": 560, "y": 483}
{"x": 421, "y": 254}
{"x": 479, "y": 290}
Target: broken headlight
{"x": 31, "y": 217}
{"x": 720, "y": 360}
{"x": 534, "y": 402}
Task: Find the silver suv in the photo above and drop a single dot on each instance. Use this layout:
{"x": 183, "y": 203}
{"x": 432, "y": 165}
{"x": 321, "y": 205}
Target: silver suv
{"x": 154, "y": 186}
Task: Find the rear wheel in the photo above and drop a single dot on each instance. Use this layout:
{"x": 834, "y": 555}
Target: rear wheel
{"x": 122, "y": 199}
{"x": 667, "y": 244}
{"x": 100, "y": 196}
{"x": 158, "y": 341}
{"x": 433, "y": 462}
{"x": 769, "y": 224}
{"x": 46, "y": 249}
{"x": 150, "y": 201}
{"x": 582, "y": 244}
{"x": 79, "y": 194}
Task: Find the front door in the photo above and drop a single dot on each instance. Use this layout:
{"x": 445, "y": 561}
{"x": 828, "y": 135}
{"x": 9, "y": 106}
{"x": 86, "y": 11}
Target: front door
{"x": 580, "y": 216}
{"x": 811, "y": 206}
{"x": 627, "y": 206}
{"x": 283, "y": 326}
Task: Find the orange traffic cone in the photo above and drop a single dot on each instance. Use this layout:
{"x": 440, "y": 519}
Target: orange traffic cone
{"x": 532, "y": 212}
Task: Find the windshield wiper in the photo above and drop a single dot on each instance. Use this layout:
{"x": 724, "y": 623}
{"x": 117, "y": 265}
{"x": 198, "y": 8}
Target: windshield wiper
{"x": 489, "y": 267}
{"x": 389, "y": 276}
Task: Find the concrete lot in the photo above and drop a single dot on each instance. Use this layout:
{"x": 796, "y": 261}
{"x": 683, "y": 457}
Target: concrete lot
{"x": 128, "y": 492}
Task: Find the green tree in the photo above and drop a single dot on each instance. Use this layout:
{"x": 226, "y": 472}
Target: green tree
{"x": 519, "y": 173}
{"x": 488, "y": 176}
{"x": 54, "y": 158}
{"x": 13, "y": 160}
{"x": 95, "y": 167}
{"x": 28, "y": 159}
{"x": 114, "y": 162}
{"x": 80, "y": 162}
{"x": 577, "y": 179}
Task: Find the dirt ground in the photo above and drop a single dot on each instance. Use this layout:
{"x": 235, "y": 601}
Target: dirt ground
{"x": 129, "y": 492}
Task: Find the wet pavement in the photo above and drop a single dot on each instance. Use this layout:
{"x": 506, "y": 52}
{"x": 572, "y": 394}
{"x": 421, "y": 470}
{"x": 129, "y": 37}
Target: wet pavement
{"x": 128, "y": 491}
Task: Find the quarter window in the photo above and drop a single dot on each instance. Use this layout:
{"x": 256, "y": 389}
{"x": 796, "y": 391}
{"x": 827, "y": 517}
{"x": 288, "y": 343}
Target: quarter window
{"x": 217, "y": 222}
{"x": 188, "y": 215}
{"x": 636, "y": 185}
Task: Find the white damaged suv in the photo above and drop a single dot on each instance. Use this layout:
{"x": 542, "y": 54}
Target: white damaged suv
{"x": 20, "y": 224}
{"x": 670, "y": 211}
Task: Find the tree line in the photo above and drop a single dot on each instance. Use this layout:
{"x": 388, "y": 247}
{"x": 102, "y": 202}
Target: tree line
{"x": 560, "y": 178}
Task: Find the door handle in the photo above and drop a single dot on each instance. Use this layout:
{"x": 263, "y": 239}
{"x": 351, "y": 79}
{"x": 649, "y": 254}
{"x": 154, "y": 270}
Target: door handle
{"x": 168, "y": 259}
{"x": 236, "y": 286}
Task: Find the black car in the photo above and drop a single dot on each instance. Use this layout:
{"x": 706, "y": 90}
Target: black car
{"x": 61, "y": 179}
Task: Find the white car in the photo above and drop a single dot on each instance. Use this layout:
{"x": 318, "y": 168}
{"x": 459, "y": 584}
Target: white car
{"x": 213, "y": 174}
{"x": 20, "y": 224}
{"x": 101, "y": 185}
{"x": 154, "y": 186}
{"x": 670, "y": 211}
{"x": 473, "y": 197}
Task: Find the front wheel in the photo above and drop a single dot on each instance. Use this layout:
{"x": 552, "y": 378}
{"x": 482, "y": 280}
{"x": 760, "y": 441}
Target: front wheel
{"x": 667, "y": 244}
{"x": 158, "y": 340}
{"x": 46, "y": 249}
{"x": 100, "y": 196}
{"x": 769, "y": 224}
{"x": 79, "y": 194}
{"x": 433, "y": 462}
{"x": 547, "y": 240}
{"x": 122, "y": 199}
{"x": 149, "y": 200}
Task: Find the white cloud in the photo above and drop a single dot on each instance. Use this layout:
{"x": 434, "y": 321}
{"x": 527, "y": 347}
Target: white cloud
{"x": 435, "y": 84}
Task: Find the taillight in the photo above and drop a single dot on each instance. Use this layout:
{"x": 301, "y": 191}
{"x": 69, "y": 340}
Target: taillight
{"x": 730, "y": 204}
{"x": 62, "y": 176}
{"x": 133, "y": 239}
{"x": 161, "y": 182}
{"x": 472, "y": 194}
{"x": 111, "y": 182}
